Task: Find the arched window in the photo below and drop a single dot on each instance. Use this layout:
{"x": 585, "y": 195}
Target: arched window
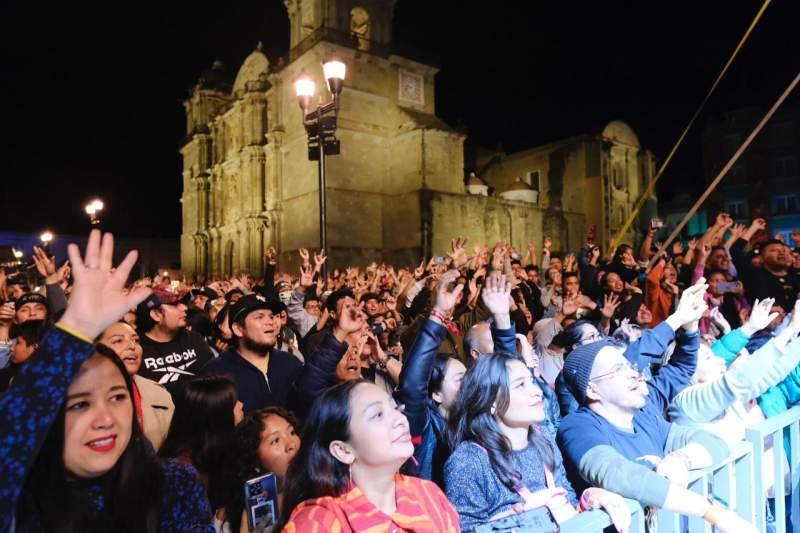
{"x": 618, "y": 174}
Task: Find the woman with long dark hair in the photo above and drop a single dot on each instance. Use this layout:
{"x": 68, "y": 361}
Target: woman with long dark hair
{"x": 502, "y": 462}
{"x": 72, "y": 456}
{"x": 346, "y": 475}
{"x": 207, "y": 410}
{"x": 265, "y": 442}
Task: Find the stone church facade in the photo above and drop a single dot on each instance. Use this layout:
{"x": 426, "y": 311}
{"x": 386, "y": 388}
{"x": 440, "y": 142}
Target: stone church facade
{"x": 397, "y": 190}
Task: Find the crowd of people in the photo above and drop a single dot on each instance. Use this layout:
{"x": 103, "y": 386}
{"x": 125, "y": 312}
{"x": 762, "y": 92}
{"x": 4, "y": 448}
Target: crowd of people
{"x": 436, "y": 397}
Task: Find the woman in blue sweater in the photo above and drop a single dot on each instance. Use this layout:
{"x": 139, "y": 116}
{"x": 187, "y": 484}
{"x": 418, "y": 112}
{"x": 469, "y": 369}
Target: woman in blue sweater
{"x": 72, "y": 456}
{"x": 502, "y": 463}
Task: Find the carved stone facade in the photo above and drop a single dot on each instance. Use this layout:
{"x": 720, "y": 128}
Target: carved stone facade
{"x": 600, "y": 177}
{"x": 396, "y": 191}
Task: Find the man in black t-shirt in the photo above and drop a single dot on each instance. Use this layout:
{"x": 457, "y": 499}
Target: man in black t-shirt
{"x": 171, "y": 353}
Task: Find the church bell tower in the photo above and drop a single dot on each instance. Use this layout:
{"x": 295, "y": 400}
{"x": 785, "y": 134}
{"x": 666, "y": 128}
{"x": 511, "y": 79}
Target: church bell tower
{"x": 364, "y": 22}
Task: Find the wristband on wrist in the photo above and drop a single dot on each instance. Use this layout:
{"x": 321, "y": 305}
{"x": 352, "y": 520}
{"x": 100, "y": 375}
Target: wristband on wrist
{"x": 714, "y": 512}
{"x": 438, "y": 315}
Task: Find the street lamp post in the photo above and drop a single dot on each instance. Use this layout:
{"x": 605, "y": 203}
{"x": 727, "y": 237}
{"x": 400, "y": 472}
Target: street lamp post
{"x": 93, "y": 209}
{"x": 321, "y": 131}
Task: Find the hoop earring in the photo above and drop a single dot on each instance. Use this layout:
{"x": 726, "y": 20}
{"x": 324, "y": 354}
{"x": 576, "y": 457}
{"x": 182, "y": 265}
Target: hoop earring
{"x": 350, "y": 475}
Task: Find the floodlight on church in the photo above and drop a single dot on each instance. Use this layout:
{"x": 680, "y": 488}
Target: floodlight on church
{"x": 304, "y": 88}
{"x": 334, "y": 71}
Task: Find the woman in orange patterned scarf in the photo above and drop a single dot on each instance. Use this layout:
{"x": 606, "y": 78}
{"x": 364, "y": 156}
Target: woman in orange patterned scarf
{"x": 346, "y": 475}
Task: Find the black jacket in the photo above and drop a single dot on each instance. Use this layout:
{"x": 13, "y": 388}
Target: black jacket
{"x": 256, "y": 390}
{"x": 760, "y": 283}
{"x": 427, "y": 426}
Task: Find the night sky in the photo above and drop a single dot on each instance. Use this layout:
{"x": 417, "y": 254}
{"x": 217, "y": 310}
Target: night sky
{"x": 92, "y": 91}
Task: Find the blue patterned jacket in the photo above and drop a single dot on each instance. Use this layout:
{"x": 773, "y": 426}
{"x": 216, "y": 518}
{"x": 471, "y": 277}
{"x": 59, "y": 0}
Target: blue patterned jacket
{"x": 28, "y": 410}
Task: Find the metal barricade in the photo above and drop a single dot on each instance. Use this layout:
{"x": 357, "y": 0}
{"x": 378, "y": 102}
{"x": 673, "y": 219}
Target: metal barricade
{"x": 730, "y": 481}
{"x": 784, "y": 430}
{"x": 596, "y": 521}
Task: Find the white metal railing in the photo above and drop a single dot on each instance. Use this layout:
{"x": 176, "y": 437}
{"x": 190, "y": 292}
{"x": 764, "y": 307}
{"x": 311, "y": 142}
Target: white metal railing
{"x": 739, "y": 482}
{"x": 784, "y": 431}
{"x": 730, "y": 482}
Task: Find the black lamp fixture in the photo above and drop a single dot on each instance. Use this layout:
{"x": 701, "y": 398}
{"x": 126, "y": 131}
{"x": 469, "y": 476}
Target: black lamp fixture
{"x": 320, "y": 124}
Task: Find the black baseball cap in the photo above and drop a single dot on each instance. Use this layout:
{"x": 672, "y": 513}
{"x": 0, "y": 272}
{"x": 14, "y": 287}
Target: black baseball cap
{"x": 31, "y": 298}
{"x": 252, "y": 302}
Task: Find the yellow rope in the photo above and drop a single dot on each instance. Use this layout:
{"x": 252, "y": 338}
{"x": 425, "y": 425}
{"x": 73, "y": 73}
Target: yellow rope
{"x": 666, "y": 162}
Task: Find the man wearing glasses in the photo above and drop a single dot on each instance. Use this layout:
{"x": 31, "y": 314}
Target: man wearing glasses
{"x": 619, "y": 439}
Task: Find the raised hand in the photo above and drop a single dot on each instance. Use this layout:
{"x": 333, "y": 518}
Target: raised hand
{"x": 610, "y": 304}
{"x": 306, "y": 276}
{"x": 63, "y": 272}
{"x": 304, "y": 255}
{"x": 547, "y": 243}
{"x": 719, "y": 319}
{"x": 319, "y": 260}
{"x": 7, "y": 313}
{"x": 499, "y": 255}
{"x": 591, "y": 234}
{"x": 792, "y": 328}
{"x": 677, "y": 248}
{"x": 570, "y": 262}
{"x": 98, "y": 299}
{"x": 349, "y": 319}
{"x": 496, "y": 297}
{"x": 758, "y": 224}
{"x": 569, "y": 306}
{"x": 737, "y": 231}
{"x": 632, "y": 288}
{"x": 420, "y": 270}
{"x": 271, "y": 255}
{"x": 457, "y": 252}
{"x": 446, "y": 299}
{"x": 760, "y": 316}
{"x": 724, "y": 220}
{"x": 45, "y": 265}
{"x": 690, "y": 308}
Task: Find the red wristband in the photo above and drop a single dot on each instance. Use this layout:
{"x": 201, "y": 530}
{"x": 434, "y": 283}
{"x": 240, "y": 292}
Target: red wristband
{"x": 440, "y": 316}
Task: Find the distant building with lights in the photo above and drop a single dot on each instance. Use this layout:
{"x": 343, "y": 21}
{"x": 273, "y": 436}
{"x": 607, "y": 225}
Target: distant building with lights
{"x": 765, "y": 181}
{"x": 398, "y": 190}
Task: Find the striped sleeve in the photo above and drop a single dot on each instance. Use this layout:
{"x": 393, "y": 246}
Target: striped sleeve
{"x": 313, "y": 516}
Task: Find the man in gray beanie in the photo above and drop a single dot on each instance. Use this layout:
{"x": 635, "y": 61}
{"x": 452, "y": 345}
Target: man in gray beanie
{"x": 619, "y": 439}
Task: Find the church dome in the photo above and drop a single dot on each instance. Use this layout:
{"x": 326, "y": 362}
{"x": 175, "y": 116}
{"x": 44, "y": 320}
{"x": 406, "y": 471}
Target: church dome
{"x": 621, "y": 132}
{"x": 253, "y": 69}
{"x": 215, "y": 78}
{"x": 518, "y": 185}
{"x": 477, "y": 186}
{"x": 520, "y": 191}
{"x": 474, "y": 179}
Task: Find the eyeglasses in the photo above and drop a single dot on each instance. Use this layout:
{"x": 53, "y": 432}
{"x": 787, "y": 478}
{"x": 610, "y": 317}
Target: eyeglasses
{"x": 618, "y": 369}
